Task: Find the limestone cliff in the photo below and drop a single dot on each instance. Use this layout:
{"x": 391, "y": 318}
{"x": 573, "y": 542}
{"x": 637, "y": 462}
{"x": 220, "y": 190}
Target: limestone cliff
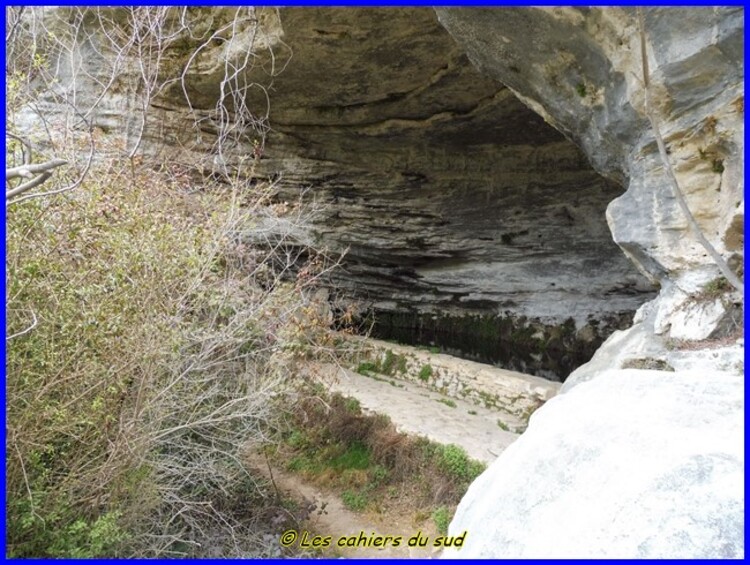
{"x": 634, "y": 463}
{"x": 580, "y": 68}
{"x": 451, "y": 198}
{"x": 427, "y": 148}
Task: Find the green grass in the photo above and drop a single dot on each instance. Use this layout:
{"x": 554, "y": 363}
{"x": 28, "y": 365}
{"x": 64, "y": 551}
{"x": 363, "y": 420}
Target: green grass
{"x": 356, "y": 456}
{"x": 297, "y": 439}
{"x": 370, "y": 463}
{"x": 302, "y": 463}
{"x": 425, "y": 372}
{"x": 355, "y": 500}
{"x": 442, "y": 518}
{"x": 447, "y": 402}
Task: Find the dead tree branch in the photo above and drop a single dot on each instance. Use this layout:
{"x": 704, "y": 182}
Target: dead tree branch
{"x": 38, "y": 174}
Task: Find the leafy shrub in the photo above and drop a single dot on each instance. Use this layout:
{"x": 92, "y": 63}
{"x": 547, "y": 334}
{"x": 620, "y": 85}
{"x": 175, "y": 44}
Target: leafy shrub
{"x": 453, "y": 459}
{"x": 151, "y": 362}
{"x": 442, "y": 518}
{"x": 425, "y": 372}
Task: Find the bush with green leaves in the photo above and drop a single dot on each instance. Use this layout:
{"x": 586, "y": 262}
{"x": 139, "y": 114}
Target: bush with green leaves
{"x": 149, "y": 334}
{"x": 454, "y": 460}
{"x": 142, "y": 360}
{"x": 442, "y": 518}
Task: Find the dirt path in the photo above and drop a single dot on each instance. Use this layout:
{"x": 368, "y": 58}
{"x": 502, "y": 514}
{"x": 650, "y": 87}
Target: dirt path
{"x": 338, "y": 521}
{"x": 413, "y": 410}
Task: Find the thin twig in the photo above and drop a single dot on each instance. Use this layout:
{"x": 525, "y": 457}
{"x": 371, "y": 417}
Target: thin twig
{"x": 27, "y": 330}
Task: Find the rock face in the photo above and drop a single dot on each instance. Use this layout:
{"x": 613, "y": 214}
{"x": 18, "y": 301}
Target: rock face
{"x": 451, "y": 196}
{"x": 448, "y": 194}
{"x": 634, "y": 464}
{"x": 580, "y": 68}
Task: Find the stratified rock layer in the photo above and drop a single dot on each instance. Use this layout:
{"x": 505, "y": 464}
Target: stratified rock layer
{"x": 449, "y": 194}
{"x": 634, "y": 464}
{"x": 581, "y": 69}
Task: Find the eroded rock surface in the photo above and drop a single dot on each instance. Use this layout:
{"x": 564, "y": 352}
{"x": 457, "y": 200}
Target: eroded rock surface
{"x": 581, "y": 69}
{"x": 633, "y": 464}
{"x": 449, "y": 195}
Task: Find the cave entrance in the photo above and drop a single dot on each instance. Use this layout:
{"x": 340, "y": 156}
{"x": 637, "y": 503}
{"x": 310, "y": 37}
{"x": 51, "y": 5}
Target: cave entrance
{"x": 469, "y": 223}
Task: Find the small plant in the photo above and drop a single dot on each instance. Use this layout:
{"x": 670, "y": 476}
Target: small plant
{"x": 354, "y": 500}
{"x": 442, "y": 519}
{"x": 581, "y": 89}
{"x": 379, "y": 474}
{"x": 454, "y": 460}
{"x": 472, "y": 412}
{"x": 389, "y": 363}
{"x": 447, "y": 402}
{"x": 714, "y": 289}
{"x": 503, "y": 426}
{"x": 425, "y": 372}
{"x": 717, "y": 166}
{"x": 352, "y": 405}
{"x": 367, "y": 367}
{"x": 401, "y": 364}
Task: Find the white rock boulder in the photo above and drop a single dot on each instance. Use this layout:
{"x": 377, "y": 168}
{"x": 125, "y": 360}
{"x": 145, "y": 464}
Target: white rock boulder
{"x": 632, "y": 464}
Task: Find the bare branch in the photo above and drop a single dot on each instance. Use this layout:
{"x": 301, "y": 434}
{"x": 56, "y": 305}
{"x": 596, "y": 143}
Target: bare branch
{"x": 28, "y": 171}
{"x": 27, "y": 156}
{"x": 27, "y": 330}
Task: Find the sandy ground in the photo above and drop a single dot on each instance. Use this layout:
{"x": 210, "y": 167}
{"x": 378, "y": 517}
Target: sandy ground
{"x": 413, "y": 410}
{"x": 418, "y": 411}
{"x": 338, "y": 521}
